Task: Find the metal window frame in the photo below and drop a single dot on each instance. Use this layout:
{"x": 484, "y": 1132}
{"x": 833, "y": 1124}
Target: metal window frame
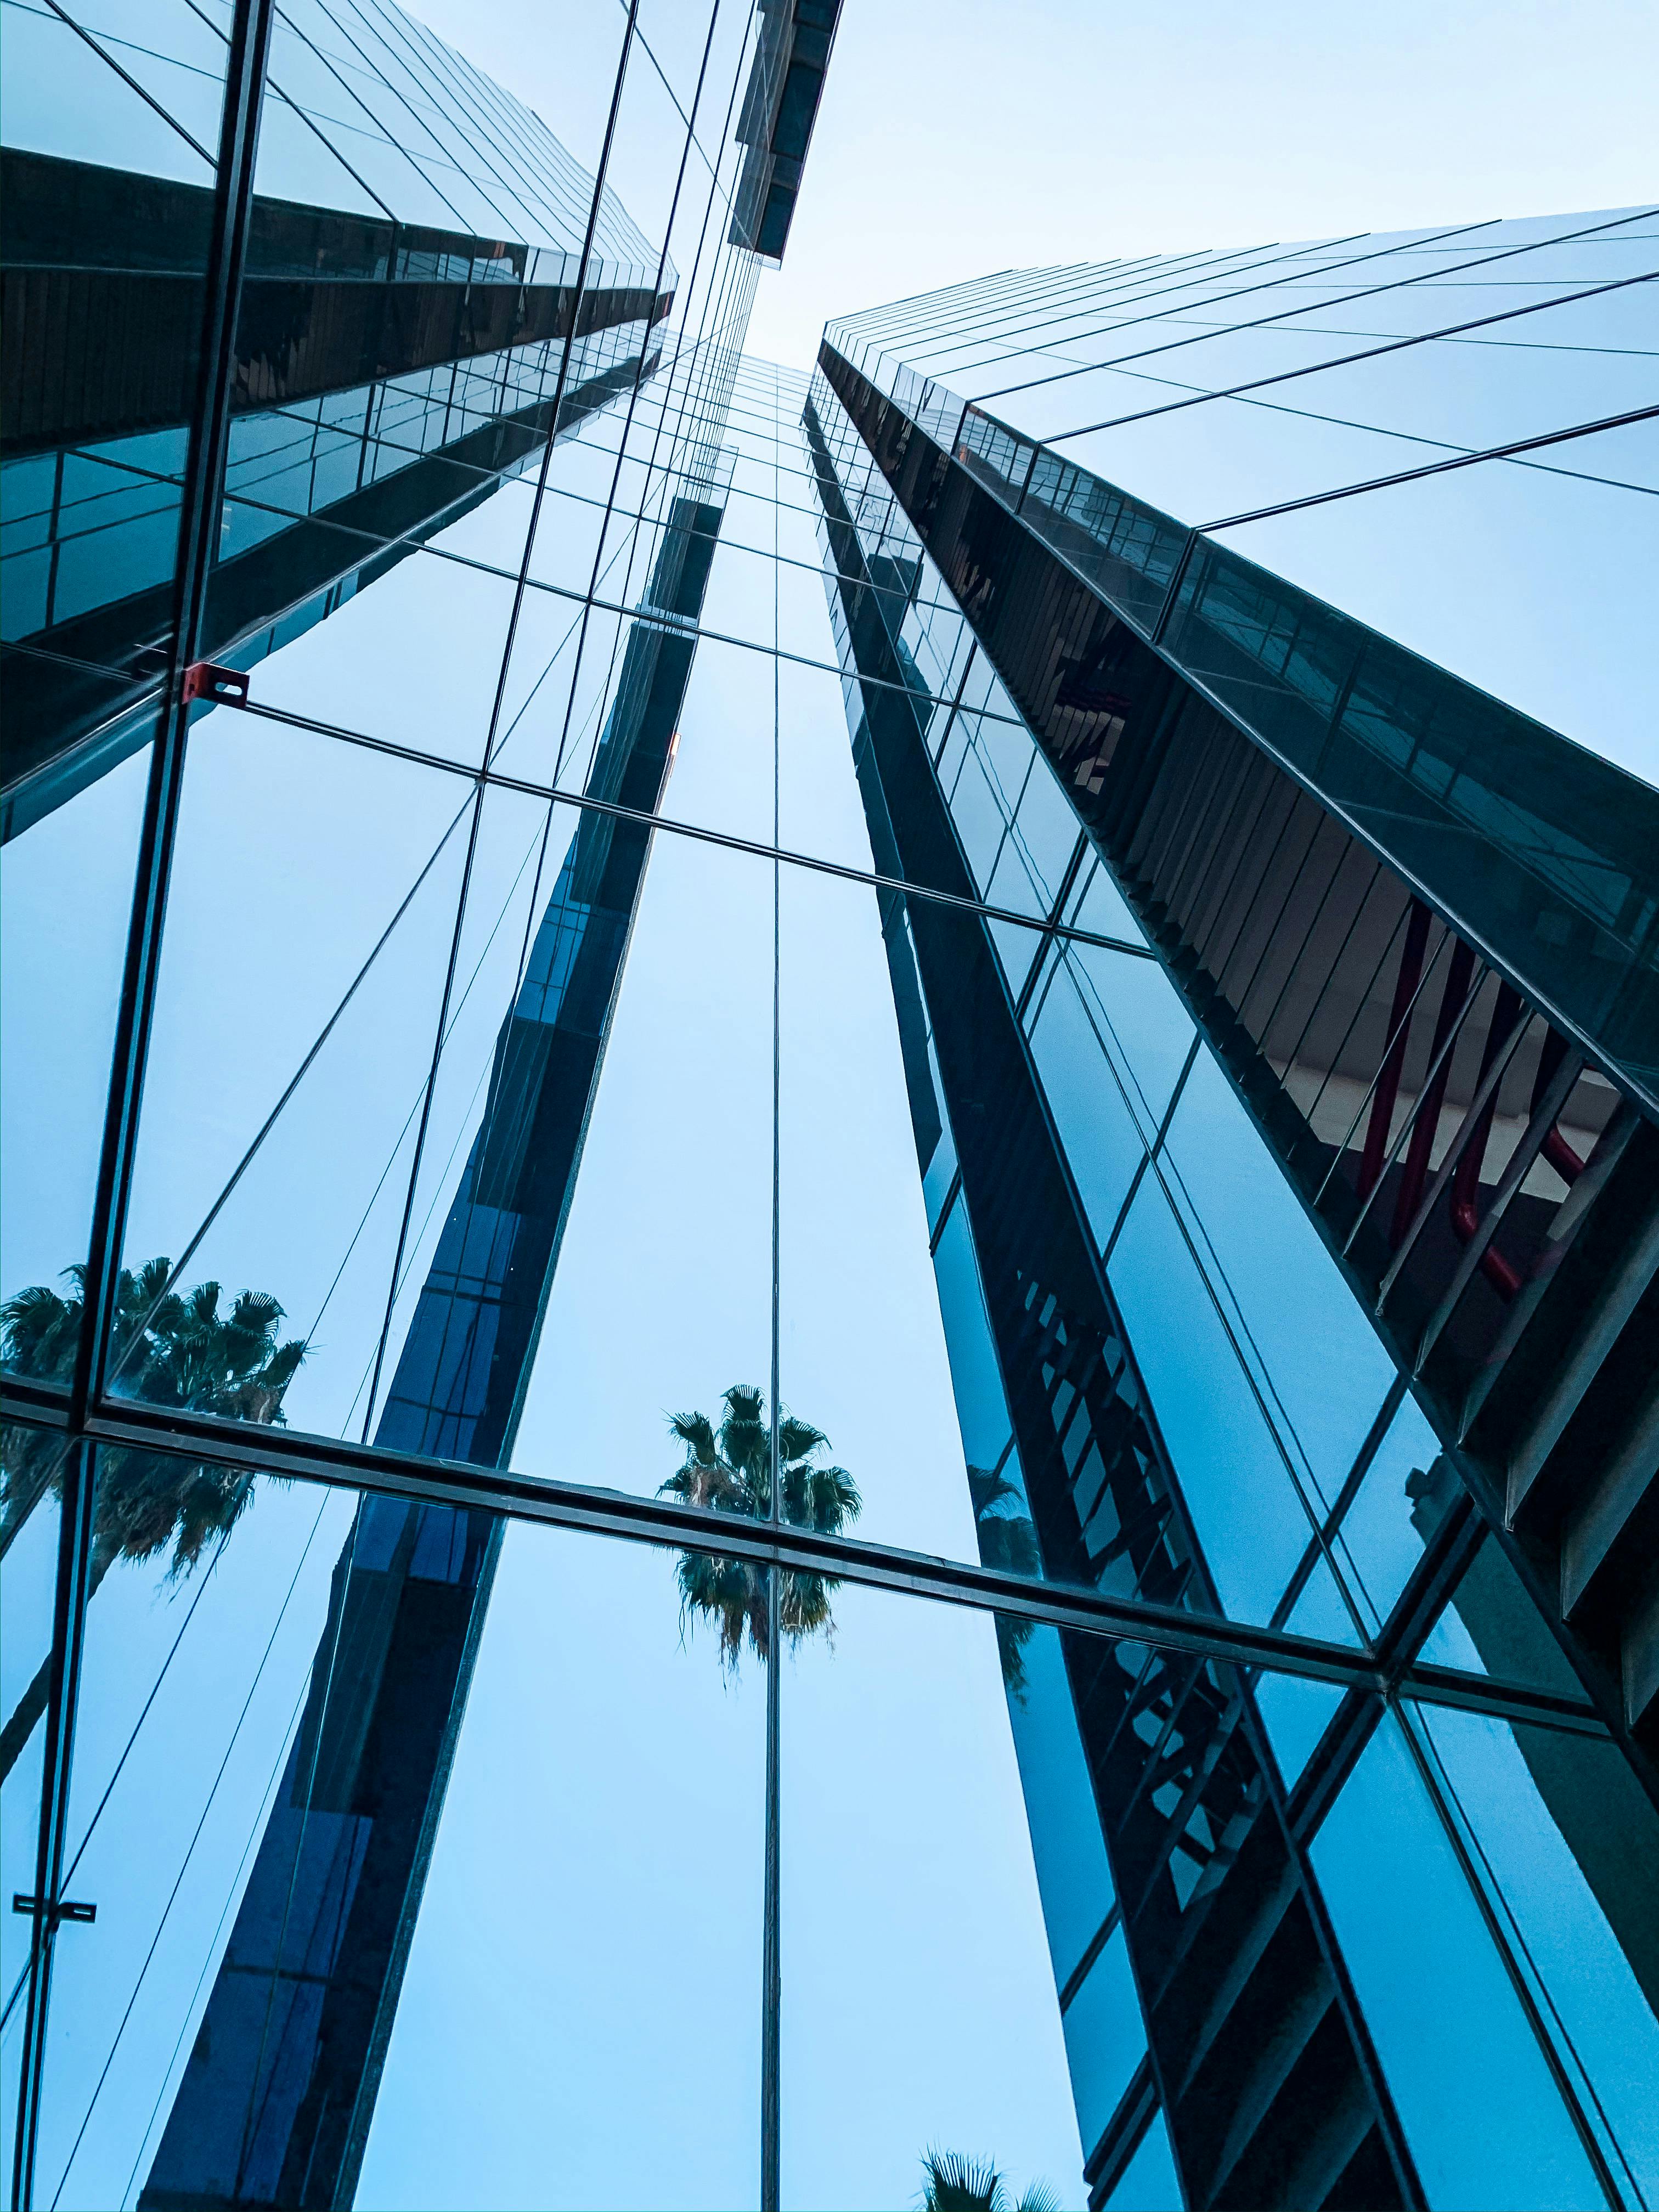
{"x": 247, "y": 55}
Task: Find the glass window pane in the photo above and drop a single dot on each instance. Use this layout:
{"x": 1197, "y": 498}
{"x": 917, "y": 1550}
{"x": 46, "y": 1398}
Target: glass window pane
{"x": 903, "y": 1713}
{"x": 1485, "y": 2123}
{"x": 1566, "y": 1843}
{"x": 1324, "y": 1370}
{"x": 65, "y": 900}
{"x": 1149, "y": 2183}
{"x": 1240, "y": 1492}
{"x": 64, "y": 98}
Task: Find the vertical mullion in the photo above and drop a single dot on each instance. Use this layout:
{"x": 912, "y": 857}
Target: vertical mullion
{"x": 238, "y": 133}
{"x": 771, "y": 1960}
{"x": 68, "y": 1611}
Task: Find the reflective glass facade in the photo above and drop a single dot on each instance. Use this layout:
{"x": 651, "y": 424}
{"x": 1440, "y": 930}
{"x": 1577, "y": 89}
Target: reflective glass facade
{"x": 415, "y": 306}
{"x": 1175, "y": 1105}
{"x": 1329, "y": 411}
{"x": 759, "y": 1428}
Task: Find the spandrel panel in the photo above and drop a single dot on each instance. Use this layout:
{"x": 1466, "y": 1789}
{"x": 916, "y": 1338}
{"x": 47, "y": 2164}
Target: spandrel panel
{"x": 951, "y": 1909}
{"x": 1566, "y": 1842}
{"x": 65, "y": 895}
{"x": 1485, "y": 2121}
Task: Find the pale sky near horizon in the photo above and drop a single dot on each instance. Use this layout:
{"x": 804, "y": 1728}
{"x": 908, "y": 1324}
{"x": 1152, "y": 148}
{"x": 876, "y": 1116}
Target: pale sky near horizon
{"x": 959, "y": 136}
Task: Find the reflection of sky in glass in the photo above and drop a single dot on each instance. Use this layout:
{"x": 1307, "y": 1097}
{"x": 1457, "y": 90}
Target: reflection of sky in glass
{"x": 1213, "y": 386}
{"x": 584, "y": 1975}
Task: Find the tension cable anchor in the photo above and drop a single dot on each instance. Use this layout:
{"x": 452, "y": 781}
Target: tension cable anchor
{"x": 68, "y": 1908}
{"x": 222, "y": 687}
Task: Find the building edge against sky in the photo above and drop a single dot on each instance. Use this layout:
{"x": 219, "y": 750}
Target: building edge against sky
{"x": 1312, "y": 919}
{"x": 1291, "y": 1186}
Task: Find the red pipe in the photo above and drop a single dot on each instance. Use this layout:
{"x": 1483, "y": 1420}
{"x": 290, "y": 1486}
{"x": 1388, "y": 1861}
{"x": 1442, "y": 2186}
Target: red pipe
{"x": 1556, "y": 1149}
{"x": 1388, "y": 1080}
{"x": 1466, "y": 1183}
{"x": 1428, "y": 1106}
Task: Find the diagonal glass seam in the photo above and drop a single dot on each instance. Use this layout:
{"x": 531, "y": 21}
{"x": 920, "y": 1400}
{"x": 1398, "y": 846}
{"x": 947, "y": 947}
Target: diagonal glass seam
{"x": 1043, "y": 924}
{"x": 1199, "y": 397}
{"x": 1366, "y": 292}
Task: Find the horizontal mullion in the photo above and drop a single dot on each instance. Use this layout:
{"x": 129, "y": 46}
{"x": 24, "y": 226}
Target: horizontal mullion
{"x": 292, "y": 1454}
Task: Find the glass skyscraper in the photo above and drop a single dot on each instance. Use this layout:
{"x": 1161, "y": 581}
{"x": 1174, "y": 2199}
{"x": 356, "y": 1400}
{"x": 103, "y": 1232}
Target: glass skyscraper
{"x": 1292, "y": 1180}
{"x": 829, "y": 1278}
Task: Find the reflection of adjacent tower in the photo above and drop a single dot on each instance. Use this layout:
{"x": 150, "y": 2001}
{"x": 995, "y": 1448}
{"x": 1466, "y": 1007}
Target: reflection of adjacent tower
{"x": 387, "y": 378}
{"x": 1165, "y": 1859}
{"x": 276, "y": 2101}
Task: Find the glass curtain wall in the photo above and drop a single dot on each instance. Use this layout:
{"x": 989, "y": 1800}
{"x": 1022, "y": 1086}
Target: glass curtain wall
{"x": 416, "y": 262}
{"x": 1166, "y": 1389}
{"x": 796, "y": 1811}
{"x": 1448, "y": 432}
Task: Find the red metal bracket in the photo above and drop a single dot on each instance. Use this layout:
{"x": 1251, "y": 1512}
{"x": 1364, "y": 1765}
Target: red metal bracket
{"x": 225, "y": 687}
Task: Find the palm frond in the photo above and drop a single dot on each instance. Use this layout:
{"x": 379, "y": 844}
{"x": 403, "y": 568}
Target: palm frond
{"x": 1038, "y": 2196}
{"x": 744, "y": 1401}
{"x": 40, "y": 1331}
{"x": 988, "y": 1489}
{"x": 799, "y": 1439}
{"x": 730, "y": 1471}
{"x": 177, "y": 1350}
{"x": 695, "y": 1430}
{"x": 952, "y": 2183}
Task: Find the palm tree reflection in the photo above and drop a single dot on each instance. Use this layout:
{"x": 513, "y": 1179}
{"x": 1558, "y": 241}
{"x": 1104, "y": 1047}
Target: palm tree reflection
{"x": 167, "y": 1349}
{"x": 729, "y": 1469}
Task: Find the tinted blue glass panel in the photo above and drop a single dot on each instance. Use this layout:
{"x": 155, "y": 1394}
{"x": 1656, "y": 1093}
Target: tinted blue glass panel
{"x": 1099, "y": 1131}
{"x": 1485, "y": 2123}
{"x": 1149, "y": 2183}
{"x": 1565, "y": 1841}
{"x": 1317, "y": 1353}
{"x": 1104, "y": 2038}
{"x": 1238, "y": 1489}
